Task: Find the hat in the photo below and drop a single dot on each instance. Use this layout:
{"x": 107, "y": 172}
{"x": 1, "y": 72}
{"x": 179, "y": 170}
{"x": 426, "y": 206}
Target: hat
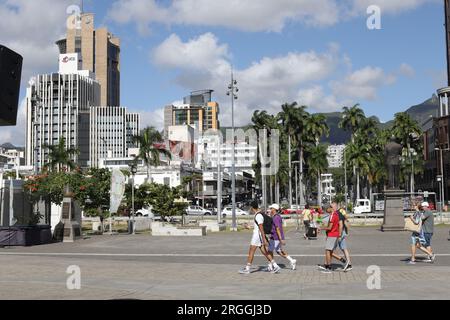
{"x": 274, "y": 206}
{"x": 425, "y": 204}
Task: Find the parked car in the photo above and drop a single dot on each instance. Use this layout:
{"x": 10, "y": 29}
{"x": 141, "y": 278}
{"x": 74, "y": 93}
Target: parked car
{"x": 147, "y": 212}
{"x": 227, "y": 211}
{"x": 293, "y": 210}
{"x": 362, "y": 206}
{"x": 198, "y": 211}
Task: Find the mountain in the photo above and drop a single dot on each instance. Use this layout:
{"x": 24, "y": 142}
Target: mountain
{"x": 420, "y": 113}
{"x": 7, "y": 145}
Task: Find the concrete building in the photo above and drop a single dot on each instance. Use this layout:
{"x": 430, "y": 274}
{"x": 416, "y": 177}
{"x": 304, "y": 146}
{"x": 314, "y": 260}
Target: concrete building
{"x": 100, "y": 54}
{"x": 111, "y": 132}
{"x": 58, "y": 105}
{"x": 11, "y": 156}
{"x": 197, "y": 110}
{"x": 336, "y": 156}
{"x": 182, "y": 144}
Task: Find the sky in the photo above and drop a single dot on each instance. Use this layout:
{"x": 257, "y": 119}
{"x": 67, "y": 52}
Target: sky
{"x": 319, "y": 53}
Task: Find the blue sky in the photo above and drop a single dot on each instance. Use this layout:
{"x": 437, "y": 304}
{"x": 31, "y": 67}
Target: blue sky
{"x": 319, "y": 53}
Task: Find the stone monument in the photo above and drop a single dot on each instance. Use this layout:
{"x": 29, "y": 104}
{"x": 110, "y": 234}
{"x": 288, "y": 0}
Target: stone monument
{"x": 393, "y": 196}
{"x": 70, "y": 227}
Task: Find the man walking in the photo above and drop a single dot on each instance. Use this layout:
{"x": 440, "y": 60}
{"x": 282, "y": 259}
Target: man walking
{"x": 342, "y": 240}
{"x": 332, "y": 231}
{"x": 277, "y": 239}
{"x": 259, "y": 240}
{"x": 428, "y": 229}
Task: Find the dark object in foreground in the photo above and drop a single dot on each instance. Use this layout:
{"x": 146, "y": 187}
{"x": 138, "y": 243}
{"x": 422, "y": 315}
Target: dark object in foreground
{"x": 10, "y": 76}
{"x": 25, "y": 235}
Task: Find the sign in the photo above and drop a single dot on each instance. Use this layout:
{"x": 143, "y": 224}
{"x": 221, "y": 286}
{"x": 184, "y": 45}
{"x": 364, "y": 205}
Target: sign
{"x": 117, "y": 189}
{"x": 69, "y": 63}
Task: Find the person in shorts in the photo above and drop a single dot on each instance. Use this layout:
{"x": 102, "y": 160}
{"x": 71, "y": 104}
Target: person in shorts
{"x": 332, "y": 232}
{"x": 342, "y": 241}
{"x": 259, "y": 240}
{"x": 277, "y": 240}
{"x": 307, "y": 217}
{"x": 417, "y": 238}
{"x": 428, "y": 229}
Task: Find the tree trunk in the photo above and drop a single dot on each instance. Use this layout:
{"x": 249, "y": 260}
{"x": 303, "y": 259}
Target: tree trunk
{"x": 319, "y": 190}
{"x": 290, "y": 172}
{"x": 358, "y": 196}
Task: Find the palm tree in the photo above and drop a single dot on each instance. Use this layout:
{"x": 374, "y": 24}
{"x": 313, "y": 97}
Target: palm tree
{"x": 149, "y": 151}
{"x": 351, "y": 119}
{"x": 409, "y": 133}
{"x": 316, "y": 127}
{"x": 318, "y": 163}
{"x": 357, "y": 154}
{"x": 59, "y": 156}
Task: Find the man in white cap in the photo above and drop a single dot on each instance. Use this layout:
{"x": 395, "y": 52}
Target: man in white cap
{"x": 277, "y": 239}
{"x": 428, "y": 229}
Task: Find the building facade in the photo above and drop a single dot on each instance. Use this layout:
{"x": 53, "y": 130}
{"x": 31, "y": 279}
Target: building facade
{"x": 100, "y": 54}
{"x": 197, "y": 110}
{"x": 58, "y": 106}
{"x": 111, "y": 133}
{"x": 336, "y": 156}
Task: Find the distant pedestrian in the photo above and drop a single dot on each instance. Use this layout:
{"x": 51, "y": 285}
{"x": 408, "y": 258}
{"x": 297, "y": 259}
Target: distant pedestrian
{"x": 307, "y": 218}
{"x": 277, "y": 239}
{"x": 259, "y": 240}
{"x": 332, "y": 231}
{"x": 428, "y": 229}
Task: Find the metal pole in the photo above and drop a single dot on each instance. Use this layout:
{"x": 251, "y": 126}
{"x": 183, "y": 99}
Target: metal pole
{"x": 219, "y": 183}
{"x": 232, "y": 90}
{"x": 290, "y": 172}
{"x": 132, "y": 203}
{"x": 442, "y": 184}
{"x": 345, "y": 178}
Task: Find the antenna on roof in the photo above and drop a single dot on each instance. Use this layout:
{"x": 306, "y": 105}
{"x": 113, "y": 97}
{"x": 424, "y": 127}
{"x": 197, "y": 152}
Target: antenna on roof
{"x": 82, "y": 6}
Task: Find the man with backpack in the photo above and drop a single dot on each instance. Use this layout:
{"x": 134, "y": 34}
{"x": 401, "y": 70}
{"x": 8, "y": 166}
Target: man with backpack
{"x": 262, "y": 226}
{"x": 333, "y": 234}
{"x": 277, "y": 237}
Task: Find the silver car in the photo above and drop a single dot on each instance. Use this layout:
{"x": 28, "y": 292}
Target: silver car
{"x": 197, "y": 211}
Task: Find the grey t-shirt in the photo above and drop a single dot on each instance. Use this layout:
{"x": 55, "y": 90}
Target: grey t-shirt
{"x": 428, "y": 222}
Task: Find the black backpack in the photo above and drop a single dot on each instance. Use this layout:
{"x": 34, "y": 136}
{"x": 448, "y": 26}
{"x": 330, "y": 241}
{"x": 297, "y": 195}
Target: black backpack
{"x": 267, "y": 224}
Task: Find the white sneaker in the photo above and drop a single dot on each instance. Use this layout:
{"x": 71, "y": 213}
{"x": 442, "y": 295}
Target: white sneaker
{"x": 276, "y": 269}
{"x": 293, "y": 264}
{"x": 244, "y": 271}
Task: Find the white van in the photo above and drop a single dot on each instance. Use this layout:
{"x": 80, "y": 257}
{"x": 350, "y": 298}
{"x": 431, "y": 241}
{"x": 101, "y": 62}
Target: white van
{"x": 362, "y": 206}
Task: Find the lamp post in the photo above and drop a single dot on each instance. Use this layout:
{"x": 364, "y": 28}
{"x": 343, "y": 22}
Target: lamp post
{"x": 442, "y": 177}
{"x": 133, "y": 170}
{"x": 345, "y": 178}
{"x": 232, "y": 90}
{"x": 296, "y": 194}
{"x": 219, "y": 183}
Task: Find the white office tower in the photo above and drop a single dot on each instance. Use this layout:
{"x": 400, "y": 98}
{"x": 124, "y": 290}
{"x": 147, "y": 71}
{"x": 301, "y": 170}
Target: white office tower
{"x": 111, "y": 133}
{"x": 335, "y": 156}
{"x": 58, "y": 106}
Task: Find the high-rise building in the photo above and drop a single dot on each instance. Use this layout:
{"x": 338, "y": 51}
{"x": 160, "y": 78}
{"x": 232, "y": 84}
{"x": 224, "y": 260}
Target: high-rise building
{"x": 197, "y": 110}
{"x": 58, "y": 106}
{"x": 100, "y": 53}
{"x": 111, "y": 133}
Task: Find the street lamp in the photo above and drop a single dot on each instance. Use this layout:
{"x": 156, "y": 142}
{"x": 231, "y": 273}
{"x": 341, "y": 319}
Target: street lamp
{"x": 133, "y": 169}
{"x": 232, "y": 90}
{"x": 442, "y": 177}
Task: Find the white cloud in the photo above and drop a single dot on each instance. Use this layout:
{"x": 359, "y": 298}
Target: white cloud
{"x": 246, "y": 15}
{"x": 406, "y": 70}
{"x": 362, "y": 83}
{"x": 154, "y": 118}
{"x": 388, "y": 6}
{"x": 31, "y": 28}
{"x": 16, "y": 135}
{"x": 250, "y": 15}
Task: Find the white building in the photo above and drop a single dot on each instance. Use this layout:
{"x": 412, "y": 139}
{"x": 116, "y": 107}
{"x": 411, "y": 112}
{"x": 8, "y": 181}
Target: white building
{"x": 336, "y": 156}
{"x": 181, "y": 144}
{"x": 209, "y": 152}
{"x": 111, "y": 132}
{"x": 58, "y": 106}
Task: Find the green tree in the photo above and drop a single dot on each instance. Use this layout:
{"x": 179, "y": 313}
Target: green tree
{"x": 149, "y": 151}
{"x": 318, "y": 164}
{"x": 59, "y": 156}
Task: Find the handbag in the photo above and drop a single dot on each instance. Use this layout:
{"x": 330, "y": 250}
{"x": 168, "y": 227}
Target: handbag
{"x": 411, "y": 226}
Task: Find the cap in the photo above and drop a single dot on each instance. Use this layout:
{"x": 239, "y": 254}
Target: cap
{"x": 274, "y": 206}
{"x": 425, "y": 204}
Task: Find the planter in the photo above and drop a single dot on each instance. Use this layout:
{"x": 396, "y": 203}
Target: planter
{"x": 167, "y": 229}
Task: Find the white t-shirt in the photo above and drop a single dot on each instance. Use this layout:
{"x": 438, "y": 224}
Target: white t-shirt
{"x": 258, "y": 219}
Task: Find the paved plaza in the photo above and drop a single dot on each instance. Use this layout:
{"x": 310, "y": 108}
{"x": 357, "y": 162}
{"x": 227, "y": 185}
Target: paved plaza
{"x": 146, "y": 267}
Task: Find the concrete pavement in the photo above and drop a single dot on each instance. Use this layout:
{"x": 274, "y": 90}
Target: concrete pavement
{"x": 146, "y": 267}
